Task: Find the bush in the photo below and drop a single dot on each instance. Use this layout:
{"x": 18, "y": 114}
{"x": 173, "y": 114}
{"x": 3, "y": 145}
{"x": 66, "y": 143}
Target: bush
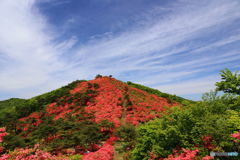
{"x": 127, "y": 135}
{"x": 203, "y": 124}
{"x": 98, "y": 76}
{"x": 95, "y": 85}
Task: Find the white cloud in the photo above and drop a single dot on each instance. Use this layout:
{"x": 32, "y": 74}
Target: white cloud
{"x": 26, "y": 45}
{"x": 199, "y": 85}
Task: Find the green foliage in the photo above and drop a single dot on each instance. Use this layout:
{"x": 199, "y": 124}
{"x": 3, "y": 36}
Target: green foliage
{"x": 127, "y": 101}
{"x": 127, "y": 135}
{"x": 106, "y": 124}
{"x": 72, "y": 134}
{"x": 11, "y": 141}
{"x": 75, "y": 157}
{"x": 48, "y": 127}
{"x": 233, "y": 119}
{"x": 83, "y": 98}
{"x": 95, "y": 85}
{"x": 186, "y": 126}
{"x": 89, "y": 85}
{"x": 218, "y": 103}
{"x": 158, "y": 93}
{"x": 10, "y": 103}
{"x": 9, "y": 119}
{"x": 230, "y": 82}
{"x": 7, "y": 110}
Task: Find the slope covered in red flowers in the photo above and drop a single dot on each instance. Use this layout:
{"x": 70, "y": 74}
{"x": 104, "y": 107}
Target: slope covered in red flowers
{"x": 116, "y": 100}
{"x": 103, "y": 99}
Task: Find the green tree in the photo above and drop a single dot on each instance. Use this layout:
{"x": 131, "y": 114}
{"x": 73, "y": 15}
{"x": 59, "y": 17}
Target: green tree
{"x": 12, "y": 141}
{"x": 230, "y": 82}
{"x": 127, "y": 135}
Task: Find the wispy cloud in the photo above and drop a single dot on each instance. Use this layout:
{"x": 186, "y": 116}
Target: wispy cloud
{"x": 199, "y": 85}
{"x": 54, "y": 2}
{"x": 175, "y": 48}
{"x": 26, "y": 46}
{"x": 169, "y": 47}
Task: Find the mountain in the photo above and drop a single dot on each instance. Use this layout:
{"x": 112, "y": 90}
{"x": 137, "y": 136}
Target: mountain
{"x": 98, "y": 106}
{"x": 107, "y": 119}
{"x": 24, "y": 107}
{"x": 104, "y": 97}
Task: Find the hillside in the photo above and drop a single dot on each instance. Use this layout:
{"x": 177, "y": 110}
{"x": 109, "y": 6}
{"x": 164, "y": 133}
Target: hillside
{"x": 108, "y": 119}
{"x": 10, "y": 104}
{"x": 103, "y": 104}
{"x": 24, "y": 107}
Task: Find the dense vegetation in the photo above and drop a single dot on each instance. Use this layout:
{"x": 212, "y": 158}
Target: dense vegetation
{"x": 10, "y": 103}
{"x": 200, "y": 127}
{"x": 8, "y": 109}
{"x": 14, "y": 108}
{"x": 105, "y": 119}
{"x": 158, "y": 93}
{"x": 205, "y": 126}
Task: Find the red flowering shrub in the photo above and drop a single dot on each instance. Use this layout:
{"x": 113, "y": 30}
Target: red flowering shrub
{"x": 207, "y": 142}
{"x": 1, "y": 149}
{"x": 105, "y": 153}
{"x": 31, "y": 121}
{"x": 30, "y": 154}
{"x": 185, "y": 155}
{"x": 145, "y": 106}
{"x": 58, "y": 110}
{"x": 112, "y": 139}
{"x": 50, "y": 138}
{"x": 207, "y": 158}
{"x": 3, "y": 133}
{"x": 107, "y": 104}
{"x": 236, "y": 137}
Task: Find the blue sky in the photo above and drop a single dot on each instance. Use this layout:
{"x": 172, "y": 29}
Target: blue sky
{"x": 176, "y": 46}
